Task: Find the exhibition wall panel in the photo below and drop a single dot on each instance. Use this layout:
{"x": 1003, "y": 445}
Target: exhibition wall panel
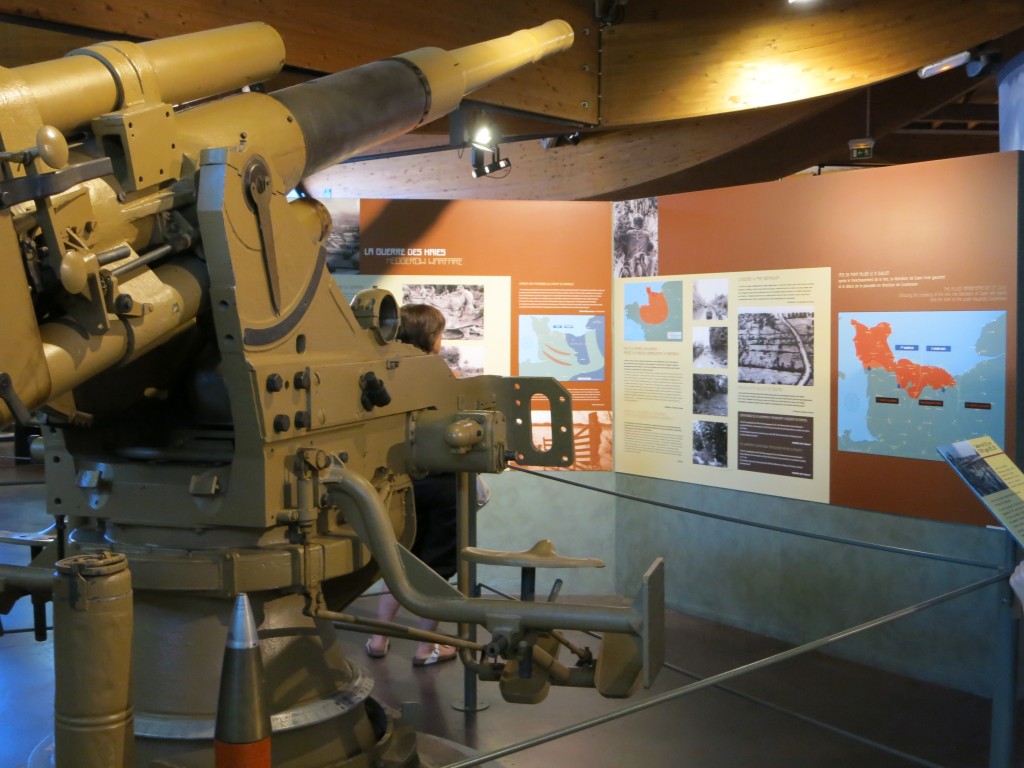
{"x": 827, "y": 332}
{"x": 923, "y": 345}
{"x": 536, "y": 278}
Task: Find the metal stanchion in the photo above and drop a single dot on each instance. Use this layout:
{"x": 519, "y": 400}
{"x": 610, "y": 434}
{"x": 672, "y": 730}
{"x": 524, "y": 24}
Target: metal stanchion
{"x": 466, "y": 510}
{"x": 1004, "y": 669}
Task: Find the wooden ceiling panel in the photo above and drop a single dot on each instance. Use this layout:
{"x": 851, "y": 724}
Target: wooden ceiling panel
{"x": 329, "y": 36}
{"x": 21, "y": 44}
{"x": 672, "y": 61}
{"x": 599, "y": 166}
{"x": 720, "y": 150}
{"x": 679, "y": 85}
{"x": 818, "y": 139}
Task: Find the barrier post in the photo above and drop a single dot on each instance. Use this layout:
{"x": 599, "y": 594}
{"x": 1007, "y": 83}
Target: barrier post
{"x": 467, "y": 508}
{"x": 1004, "y": 668}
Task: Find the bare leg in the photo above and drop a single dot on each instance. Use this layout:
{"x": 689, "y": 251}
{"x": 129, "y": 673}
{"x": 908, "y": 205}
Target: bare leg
{"x": 386, "y": 610}
{"x": 424, "y": 650}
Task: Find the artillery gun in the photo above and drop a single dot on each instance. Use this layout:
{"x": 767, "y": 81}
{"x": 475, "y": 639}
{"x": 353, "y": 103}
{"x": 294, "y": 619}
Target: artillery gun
{"x": 219, "y": 420}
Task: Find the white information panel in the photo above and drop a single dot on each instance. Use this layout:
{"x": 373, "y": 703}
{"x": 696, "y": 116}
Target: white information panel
{"x": 725, "y": 380}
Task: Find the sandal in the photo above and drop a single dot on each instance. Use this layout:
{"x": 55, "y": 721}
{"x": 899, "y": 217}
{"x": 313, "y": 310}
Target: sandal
{"x": 437, "y": 655}
{"x": 373, "y": 653}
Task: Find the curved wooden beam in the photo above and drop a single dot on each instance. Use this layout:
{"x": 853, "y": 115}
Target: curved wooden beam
{"x": 672, "y": 61}
{"x": 818, "y": 139}
{"x": 600, "y": 166}
{"x": 666, "y": 60}
{"x": 722, "y": 150}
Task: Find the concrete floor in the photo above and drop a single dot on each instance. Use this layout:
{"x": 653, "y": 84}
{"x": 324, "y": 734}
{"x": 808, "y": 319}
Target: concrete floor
{"x": 792, "y": 714}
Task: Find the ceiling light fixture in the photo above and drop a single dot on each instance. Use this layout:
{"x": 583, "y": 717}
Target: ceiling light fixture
{"x": 978, "y": 61}
{"x": 483, "y": 168}
{"x": 944, "y": 65}
{"x": 483, "y": 139}
{"x": 485, "y": 154}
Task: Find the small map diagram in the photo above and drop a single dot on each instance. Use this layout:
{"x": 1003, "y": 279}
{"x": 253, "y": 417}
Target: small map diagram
{"x": 910, "y": 381}
{"x": 654, "y": 311}
{"x": 565, "y": 347}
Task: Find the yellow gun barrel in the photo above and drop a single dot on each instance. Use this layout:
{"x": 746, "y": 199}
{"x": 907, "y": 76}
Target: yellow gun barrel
{"x": 101, "y": 78}
{"x": 343, "y": 114}
{"x": 123, "y": 93}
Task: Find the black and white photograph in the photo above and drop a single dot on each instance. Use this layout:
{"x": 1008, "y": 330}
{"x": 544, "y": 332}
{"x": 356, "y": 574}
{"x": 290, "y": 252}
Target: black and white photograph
{"x": 342, "y": 244}
{"x": 464, "y": 360}
{"x": 711, "y": 443}
{"x": 462, "y": 306}
{"x": 973, "y": 468}
{"x": 635, "y": 238}
{"x": 711, "y": 299}
{"x": 710, "y": 346}
{"x": 776, "y": 346}
{"x": 711, "y": 394}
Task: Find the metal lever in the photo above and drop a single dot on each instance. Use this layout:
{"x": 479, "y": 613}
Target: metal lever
{"x": 13, "y": 402}
{"x": 259, "y": 192}
{"x": 375, "y": 393}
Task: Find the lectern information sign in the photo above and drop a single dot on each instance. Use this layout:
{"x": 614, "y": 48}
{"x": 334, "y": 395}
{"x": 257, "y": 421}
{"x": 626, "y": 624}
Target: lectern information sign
{"x": 993, "y": 477}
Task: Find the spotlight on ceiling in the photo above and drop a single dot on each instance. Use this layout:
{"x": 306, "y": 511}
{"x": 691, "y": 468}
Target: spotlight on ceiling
{"x": 485, "y": 154}
{"x": 483, "y": 168}
{"x": 562, "y": 140}
{"x": 483, "y": 139}
{"x": 944, "y": 65}
{"x": 978, "y": 61}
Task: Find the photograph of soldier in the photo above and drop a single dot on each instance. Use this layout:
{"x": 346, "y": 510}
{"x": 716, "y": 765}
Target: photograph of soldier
{"x": 635, "y": 238}
{"x": 710, "y": 443}
{"x": 462, "y": 306}
{"x": 710, "y": 394}
{"x": 710, "y": 346}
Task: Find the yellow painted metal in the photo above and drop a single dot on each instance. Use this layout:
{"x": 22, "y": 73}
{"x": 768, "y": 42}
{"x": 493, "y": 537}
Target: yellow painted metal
{"x": 464, "y": 70}
{"x": 92, "y": 607}
{"x": 102, "y": 78}
{"x": 204, "y": 380}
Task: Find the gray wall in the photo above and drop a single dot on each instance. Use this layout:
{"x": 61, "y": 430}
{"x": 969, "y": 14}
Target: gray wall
{"x": 799, "y": 589}
{"x": 788, "y": 587}
{"x": 525, "y": 509}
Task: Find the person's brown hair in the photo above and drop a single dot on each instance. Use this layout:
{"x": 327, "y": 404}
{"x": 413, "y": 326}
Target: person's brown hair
{"x": 420, "y": 325}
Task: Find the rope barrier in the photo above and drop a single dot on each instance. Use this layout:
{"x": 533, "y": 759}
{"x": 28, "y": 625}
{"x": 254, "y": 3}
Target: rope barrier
{"x": 768, "y": 526}
{"x": 715, "y": 680}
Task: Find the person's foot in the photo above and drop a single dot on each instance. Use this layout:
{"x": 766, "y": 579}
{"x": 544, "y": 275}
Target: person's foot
{"x": 437, "y": 654}
{"x": 377, "y": 650}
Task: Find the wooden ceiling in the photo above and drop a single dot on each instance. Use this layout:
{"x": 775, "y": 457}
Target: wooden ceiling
{"x": 670, "y": 97}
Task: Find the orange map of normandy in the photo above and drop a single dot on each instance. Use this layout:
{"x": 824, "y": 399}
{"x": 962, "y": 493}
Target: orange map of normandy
{"x": 655, "y": 311}
{"x": 873, "y": 351}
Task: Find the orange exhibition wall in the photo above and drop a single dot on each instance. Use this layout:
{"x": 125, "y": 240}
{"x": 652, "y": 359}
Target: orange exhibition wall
{"x": 557, "y": 261}
{"x": 919, "y": 241}
{"x": 928, "y": 238}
